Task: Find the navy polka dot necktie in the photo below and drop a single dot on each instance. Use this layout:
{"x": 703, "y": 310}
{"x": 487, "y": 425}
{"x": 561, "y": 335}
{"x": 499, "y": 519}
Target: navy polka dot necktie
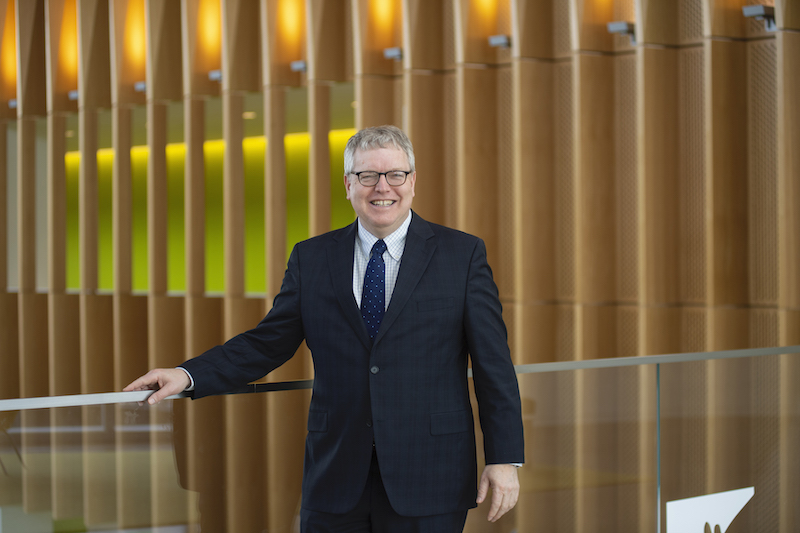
{"x": 373, "y": 298}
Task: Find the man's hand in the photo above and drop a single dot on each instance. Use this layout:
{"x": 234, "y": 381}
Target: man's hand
{"x": 504, "y": 482}
{"x": 165, "y": 381}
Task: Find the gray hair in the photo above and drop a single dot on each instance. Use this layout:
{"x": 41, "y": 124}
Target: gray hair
{"x": 377, "y": 137}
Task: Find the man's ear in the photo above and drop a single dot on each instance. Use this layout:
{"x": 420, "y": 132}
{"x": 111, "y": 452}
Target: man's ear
{"x": 346, "y": 187}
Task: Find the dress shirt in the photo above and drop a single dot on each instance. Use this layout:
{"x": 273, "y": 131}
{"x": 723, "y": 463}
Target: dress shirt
{"x": 395, "y": 244}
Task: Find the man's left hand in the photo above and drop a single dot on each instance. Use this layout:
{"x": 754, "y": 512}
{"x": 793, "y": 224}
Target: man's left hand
{"x": 504, "y": 482}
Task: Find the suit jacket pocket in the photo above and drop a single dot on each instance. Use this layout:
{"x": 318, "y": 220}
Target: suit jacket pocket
{"x": 453, "y": 422}
{"x": 434, "y": 305}
{"x": 317, "y": 421}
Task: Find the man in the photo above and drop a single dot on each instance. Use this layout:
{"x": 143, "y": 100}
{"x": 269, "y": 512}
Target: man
{"x": 391, "y": 308}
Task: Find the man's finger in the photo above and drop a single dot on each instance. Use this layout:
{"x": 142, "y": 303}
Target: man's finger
{"x": 483, "y": 489}
{"x": 497, "y": 505}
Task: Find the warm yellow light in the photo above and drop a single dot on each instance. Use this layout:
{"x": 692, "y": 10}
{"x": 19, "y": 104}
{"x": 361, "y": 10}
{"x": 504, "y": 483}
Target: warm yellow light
{"x": 8, "y": 54}
{"x": 383, "y": 22}
{"x": 485, "y": 17}
{"x": 68, "y": 47}
{"x": 290, "y": 27}
{"x": 135, "y": 40}
{"x": 209, "y": 30}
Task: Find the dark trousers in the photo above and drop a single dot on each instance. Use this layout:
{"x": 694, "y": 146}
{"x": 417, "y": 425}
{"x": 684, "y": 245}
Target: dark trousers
{"x": 374, "y": 514}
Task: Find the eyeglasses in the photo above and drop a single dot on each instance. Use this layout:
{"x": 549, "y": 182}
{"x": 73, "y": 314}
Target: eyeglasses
{"x": 370, "y": 178}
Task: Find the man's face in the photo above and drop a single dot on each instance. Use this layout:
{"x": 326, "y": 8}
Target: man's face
{"x": 382, "y": 208}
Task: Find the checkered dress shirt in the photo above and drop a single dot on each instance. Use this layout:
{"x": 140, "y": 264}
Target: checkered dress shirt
{"x": 395, "y": 244}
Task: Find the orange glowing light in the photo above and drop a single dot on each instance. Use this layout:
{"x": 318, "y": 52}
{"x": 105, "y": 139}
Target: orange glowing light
{"x": 68, "y": 47}
{"x": 209, "y": 38}
{"x": 290, "y": 27}
{"x": 485, "y": 15}
{"x": 8, "y": 54}
{"x": 383, "y": 22}
{"x": 135, "y": 40}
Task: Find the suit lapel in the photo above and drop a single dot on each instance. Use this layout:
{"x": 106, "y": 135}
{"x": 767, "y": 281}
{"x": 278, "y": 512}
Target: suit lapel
{"x": 417, "y": 254}
{"x": 340, "y": 260}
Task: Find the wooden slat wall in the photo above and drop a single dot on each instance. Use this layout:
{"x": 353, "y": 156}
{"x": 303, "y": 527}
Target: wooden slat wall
{"x": 634, "y": 199}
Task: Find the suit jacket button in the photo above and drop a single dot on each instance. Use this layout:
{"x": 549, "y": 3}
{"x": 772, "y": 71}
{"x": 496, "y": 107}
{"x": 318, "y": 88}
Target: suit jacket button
{"x": 374, "y": 369}
{"x": 369, "y": 423}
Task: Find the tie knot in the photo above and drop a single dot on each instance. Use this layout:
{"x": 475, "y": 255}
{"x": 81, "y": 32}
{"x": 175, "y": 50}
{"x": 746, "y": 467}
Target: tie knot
{"x": 378, "y": 248}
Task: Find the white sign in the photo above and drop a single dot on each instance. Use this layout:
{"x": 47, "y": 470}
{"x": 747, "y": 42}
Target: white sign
{"x": 692, "y": 514}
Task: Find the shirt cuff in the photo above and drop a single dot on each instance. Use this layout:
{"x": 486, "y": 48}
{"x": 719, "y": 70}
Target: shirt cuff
{"x": 191, "y": 380}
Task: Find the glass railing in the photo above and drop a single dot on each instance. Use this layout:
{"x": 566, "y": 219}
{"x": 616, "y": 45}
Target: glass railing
{"x": 661, "y": 443}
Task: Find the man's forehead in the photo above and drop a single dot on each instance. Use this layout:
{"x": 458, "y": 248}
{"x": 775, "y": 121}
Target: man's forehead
{"x": 360, "y": 154}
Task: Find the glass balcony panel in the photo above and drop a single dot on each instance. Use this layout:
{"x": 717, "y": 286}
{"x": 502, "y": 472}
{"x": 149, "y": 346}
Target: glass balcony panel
{"x": 731, "y": 425}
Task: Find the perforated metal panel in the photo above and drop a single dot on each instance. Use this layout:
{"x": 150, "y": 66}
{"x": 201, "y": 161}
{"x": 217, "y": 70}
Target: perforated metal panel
{"x": 505, "y": 183}
{"x": 448, "y": 34}
{"x": 348, "y": 41}
{"x": 627, "y": 332}
{"x": 450, "y": 148}
{"x": 765, "y": 431}
{"x": 690, "y": 21}
{"x": 624, "y": 10}
{"x": 564, "y": 186}
{"x": 762, "y": 158}
{"x": 562, "y": 47}
{"x": 626, "y": 177}
{"x": 691, "y": 136}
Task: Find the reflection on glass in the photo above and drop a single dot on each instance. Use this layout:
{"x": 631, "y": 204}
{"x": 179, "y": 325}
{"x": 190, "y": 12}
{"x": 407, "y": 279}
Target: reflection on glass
{"x": 234, "y": 463}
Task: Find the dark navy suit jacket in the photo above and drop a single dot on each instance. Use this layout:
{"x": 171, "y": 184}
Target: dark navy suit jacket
{"x": 406, "y": 391}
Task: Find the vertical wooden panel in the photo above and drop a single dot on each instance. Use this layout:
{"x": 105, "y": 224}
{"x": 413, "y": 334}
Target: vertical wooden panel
{"x": 319, "y": 164}
{"x": 9, "y": 365}
{"x": 376, "y": 27}
{"x": 726, "y": 168}
{"x": 165, "y": 313}
{"x": 788, "y": 169}
{"x": 96, "y": 311}
{"x": 32, "y": 307}
{"x": 594, "y": 175}
{"x": 788, "y": 222}
{"x": 63, "y": 310}
{"x": 658, "y": 196}
{"x": 118, "y": 497}
{"x": 325, "y": 57}
{"x": 424, "y": 100}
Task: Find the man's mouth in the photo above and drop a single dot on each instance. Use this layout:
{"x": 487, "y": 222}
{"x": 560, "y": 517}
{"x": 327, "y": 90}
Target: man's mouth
{"x": 382, "y": 203}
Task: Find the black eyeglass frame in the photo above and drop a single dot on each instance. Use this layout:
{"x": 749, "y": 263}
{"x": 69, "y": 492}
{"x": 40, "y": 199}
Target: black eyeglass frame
{"x": 379, "y": 174}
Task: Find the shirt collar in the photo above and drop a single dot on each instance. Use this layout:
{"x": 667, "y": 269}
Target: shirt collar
{"x": 395, "y": 241}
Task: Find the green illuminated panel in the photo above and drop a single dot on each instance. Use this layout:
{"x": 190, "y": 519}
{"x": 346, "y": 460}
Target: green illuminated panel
{"x": 72, "y": 163}
{"x": 213, "y": 152}
{"x": 176, "y": 236}
{"x": 141, "y": 279}
{"x": 105, "y": 241}
{"x": 255, "y": 279}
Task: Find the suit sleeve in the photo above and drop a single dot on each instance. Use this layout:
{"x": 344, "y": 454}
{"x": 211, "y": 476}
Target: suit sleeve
{"x": 493, "y": 371}
{"x": 254, "y": 353}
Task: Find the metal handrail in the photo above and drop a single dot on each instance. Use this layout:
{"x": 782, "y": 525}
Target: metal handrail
{"x": 76, "y": 400}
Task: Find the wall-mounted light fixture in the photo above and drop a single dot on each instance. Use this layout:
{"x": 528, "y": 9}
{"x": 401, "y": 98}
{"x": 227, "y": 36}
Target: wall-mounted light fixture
{"x": 72, "y": 95}
{"x": 140, "y": 86}
{"x": 395, "y": 53}
{"x": 765, "y": 13}
{"x": 215, "y": 75}
{"x": 500, "y": 41}
{"x": 621, "y": 27}
{"x": 12, "y": 104}
{"x": 298, "y": 66}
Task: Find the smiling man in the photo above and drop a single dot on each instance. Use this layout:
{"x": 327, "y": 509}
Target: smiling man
{"x": 392, "y": 308}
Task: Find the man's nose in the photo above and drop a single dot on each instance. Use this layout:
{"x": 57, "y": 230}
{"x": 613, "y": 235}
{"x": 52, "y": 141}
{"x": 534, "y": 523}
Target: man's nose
{"x": 383, "y": 183}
